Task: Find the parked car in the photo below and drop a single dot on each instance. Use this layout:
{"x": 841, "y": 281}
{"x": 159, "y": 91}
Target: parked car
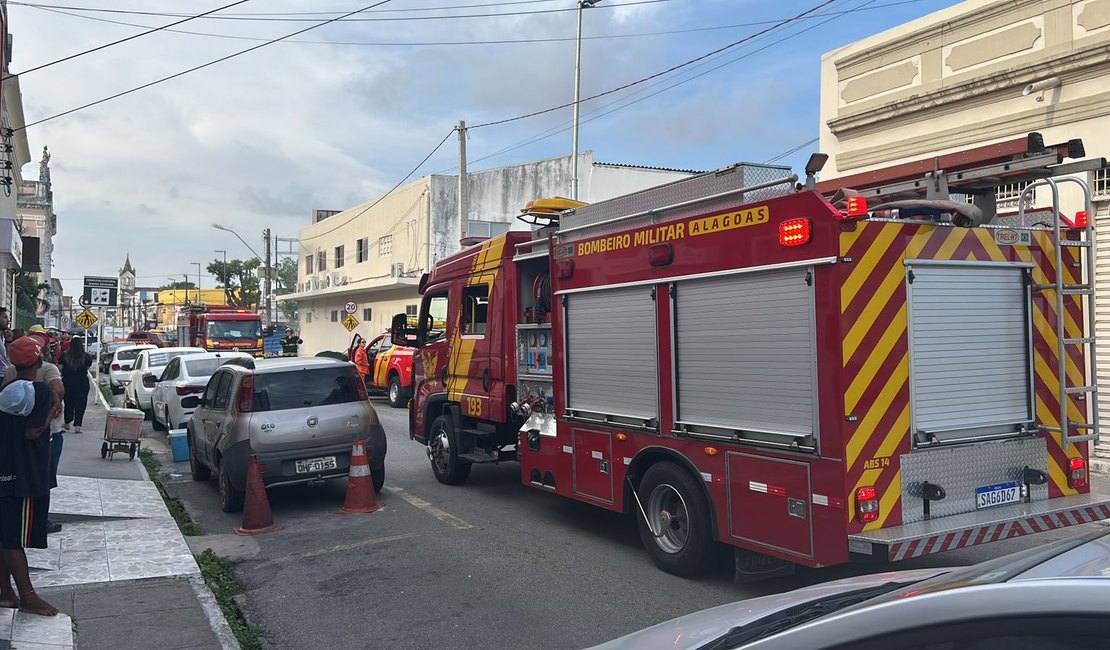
{"x": 144, "y": 376}
{"x": 1049, "y": 597}
{"x": 390, "y": 369}
{"x": 179, "y": 389}
{"x": 119, "y": 370}
{"x": 107, "y": 351}
{"x": 153, "y": 338}
{"x": 298, "y": 415}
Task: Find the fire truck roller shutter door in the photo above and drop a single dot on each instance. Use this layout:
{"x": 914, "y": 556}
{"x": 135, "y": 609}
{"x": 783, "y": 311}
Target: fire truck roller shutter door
{"x": 612, "y": 353}
{"x": 969, "y": 350}
{"x": 746, "y": 354}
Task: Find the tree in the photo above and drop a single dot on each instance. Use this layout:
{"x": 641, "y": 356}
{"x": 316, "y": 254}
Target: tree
{"x": 285, "y": 281}
{"x": 30, "y": 294}
{"x": 171, "y": 286}
{"x": 238, "y": 279}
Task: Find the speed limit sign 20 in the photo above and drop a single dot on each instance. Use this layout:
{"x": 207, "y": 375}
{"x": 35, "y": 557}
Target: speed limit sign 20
{"x": 350, "y": 307}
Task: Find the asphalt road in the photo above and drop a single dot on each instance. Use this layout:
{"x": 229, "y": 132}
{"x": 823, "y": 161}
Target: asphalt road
{"x": 489, "y": 564}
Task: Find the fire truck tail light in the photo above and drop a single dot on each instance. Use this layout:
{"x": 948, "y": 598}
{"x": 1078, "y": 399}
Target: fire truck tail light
{"x": 867, "y": 504}
{"x": 1077, "y": 472}
{"x": 660, "y": 255}
{"x": 856, "y": 206}
{"x": 794, "y": 232}
{"x": 1080, "y": 219}
{"x": 565, "y": 269}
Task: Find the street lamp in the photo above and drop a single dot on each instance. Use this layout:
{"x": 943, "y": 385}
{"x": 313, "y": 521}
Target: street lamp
{"x": 582, "y": 4}
{"x": 197, "y": 264}
{"x": 269, "y": 272}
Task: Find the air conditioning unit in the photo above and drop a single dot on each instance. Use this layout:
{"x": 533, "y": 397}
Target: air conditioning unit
{"x": 397, "y": 270}
{"x": 343, "y": 280}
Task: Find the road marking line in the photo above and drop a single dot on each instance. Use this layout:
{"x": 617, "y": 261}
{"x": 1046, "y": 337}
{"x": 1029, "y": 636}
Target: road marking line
{"x": 445, "y": 517}
{"x": 336, "y": 549}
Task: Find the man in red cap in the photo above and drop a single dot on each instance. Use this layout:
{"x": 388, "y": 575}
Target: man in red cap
{"x": 51, "y": 375}
{"x": 26, "y": 408}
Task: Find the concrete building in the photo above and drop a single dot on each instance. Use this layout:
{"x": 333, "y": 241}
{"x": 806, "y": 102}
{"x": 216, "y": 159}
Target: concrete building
{"x": 35, "y": 214}
{"x": 14, "y": 149}
{"x": 960, "y": 78}
{"x": 374, "y": 254}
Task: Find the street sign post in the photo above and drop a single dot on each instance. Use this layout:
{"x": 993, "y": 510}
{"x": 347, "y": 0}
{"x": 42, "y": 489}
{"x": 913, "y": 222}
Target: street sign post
{"x": 350, "y": 322}
{"x": 100, "y": 292}
{"x": 350, "y": 307}
{"x": 86, "y": 319}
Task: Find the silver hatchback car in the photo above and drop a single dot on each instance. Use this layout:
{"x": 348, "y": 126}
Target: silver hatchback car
{"x": 298, "y": 415}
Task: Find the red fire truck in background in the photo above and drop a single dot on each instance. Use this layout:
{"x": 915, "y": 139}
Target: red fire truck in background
{"x": 216, "y": 327}
{"x": 864, "y": 368}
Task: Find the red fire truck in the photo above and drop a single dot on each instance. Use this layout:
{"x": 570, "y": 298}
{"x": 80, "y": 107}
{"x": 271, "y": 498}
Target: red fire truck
{"x": 215, "y": 327}
{"x": 810, "y": 373}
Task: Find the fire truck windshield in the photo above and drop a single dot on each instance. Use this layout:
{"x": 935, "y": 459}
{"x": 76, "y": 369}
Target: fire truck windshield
{"x": 234, "y": 329}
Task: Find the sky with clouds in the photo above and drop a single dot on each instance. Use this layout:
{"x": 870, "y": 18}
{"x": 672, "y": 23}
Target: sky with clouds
{"x": 344, "y": 112}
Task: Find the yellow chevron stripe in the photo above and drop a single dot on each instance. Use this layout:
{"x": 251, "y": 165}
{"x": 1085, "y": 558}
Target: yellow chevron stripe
{"x": 1047, "y": 331}
{"x": 886, "y": 503}
{"x": 875, "y": 359}
{"x": 866, "y": 264}
{"x": 986, "y": 240}
{"x": 870, "y": 422}
{"x": 890, "y": 444}
{"x": 849, "y": 237}
{"x": 1048, "y": 376}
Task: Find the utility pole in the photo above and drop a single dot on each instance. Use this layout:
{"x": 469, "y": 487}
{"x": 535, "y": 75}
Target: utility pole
{"x": 582, "y": 4}
{"x": 269, "y": 278}
{"x": 462, "y": 182}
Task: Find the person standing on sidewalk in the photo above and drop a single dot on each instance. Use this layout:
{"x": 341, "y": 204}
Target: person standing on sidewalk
{"x": 75, "y": 379}
{"x": 4, "y": 323}
{"x": 26, "y": 408}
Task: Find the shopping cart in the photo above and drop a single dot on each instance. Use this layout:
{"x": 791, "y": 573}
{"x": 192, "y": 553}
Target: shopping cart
{"x": 121, "y": 432}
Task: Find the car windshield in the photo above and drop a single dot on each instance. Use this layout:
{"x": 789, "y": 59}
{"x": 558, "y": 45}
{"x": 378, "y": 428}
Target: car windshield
{"x": 127, "y": 355}
{"x": 155, "y": 359}
{"x": 206, "y": 366}
{"x": 234, "y": 329}
{"x": 313, "y": 387}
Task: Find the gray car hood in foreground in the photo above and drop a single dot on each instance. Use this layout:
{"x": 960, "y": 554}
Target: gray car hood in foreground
{"x": 696, "y": 629}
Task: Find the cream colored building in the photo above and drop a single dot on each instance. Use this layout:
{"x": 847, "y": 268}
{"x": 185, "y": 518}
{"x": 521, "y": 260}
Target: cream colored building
{"x": 374, "y": 253}
{"x": 960, "y": 78}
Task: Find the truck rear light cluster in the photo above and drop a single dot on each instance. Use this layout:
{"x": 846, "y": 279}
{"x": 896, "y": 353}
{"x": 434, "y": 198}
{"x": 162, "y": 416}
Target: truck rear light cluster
{"x": 1077, "y": 473}
{"x": 867, "y": 504}
{"x": 244, "y": 400}
{"x": 794, "y": 232}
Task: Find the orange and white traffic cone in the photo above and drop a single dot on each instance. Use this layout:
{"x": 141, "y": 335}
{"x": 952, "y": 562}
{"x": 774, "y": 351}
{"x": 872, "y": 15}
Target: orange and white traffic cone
{"x": 257, "y": 518}
{"x": 360, "y": 486}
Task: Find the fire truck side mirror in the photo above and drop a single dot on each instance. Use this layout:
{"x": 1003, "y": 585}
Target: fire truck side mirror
{"x": 400, "y": 333}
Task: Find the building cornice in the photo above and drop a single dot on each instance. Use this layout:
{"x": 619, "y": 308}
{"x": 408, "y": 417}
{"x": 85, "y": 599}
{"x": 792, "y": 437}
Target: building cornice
{"x": 355, "y": 286}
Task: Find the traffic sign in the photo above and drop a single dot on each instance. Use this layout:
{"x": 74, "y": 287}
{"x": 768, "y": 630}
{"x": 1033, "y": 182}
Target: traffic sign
{"x": 350, "y": 307}
{"x": 81, "y": 301}
{"x": 350, "y": 322}
{"x": 101, "y": 291}
{"x": 86, "y": 319}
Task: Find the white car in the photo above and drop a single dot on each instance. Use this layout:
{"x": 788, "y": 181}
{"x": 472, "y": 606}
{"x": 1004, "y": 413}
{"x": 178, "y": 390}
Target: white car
{"x": 145, "y": 372}
{"x": 178, "y": 391}
{"x": 119, "y": 369}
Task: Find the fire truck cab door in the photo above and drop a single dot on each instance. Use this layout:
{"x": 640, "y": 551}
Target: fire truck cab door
{"x": 470, "y": 355}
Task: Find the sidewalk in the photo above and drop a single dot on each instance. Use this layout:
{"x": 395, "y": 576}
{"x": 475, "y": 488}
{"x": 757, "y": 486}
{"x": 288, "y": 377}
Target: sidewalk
{"x": 119, "y": 571}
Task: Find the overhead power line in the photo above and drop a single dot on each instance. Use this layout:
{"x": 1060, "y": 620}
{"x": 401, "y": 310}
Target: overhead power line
{"x": 129, "y": 38}
{"x": 343, "y": 18}
{"x": 505, "y": 41}
{"x": 202, "y": 66}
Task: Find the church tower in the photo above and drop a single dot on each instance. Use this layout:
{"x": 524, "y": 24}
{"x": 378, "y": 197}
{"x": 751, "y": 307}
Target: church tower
{"x": 125, "y": 316}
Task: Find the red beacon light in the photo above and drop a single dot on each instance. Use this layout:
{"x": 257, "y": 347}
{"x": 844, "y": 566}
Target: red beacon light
{"x": 794, "y": 232}
{"x": 856, "y": 206}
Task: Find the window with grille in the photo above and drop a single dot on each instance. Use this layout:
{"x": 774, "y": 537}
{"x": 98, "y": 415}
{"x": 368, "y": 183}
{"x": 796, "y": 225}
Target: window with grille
{"x": 308, "y": 264}
{"x": 1101, "y": 184}
{"x": 367, "y": 313}
{"x": 362, "y": 248}
{"x": 338, "y": 257}
{"x": 321, "y": 261}
{"x": 1010, "y": 192}
{"x": 335, "y": 315}
{"x": 385, "y": 245}
{"x": 410, "y": 310}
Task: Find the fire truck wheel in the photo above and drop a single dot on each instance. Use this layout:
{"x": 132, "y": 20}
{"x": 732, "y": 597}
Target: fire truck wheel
{"x": 396, "y": 393}
{"x": 443, "y": 451}
{"x": 678, "y": 537}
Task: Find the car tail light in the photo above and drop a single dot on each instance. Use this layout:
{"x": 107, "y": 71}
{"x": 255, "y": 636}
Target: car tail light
{"x": 189, "y": 390}
{"x": 867, "y": 504}
{"x": 149, "y": 380}
{"x": 245, "y": 399}
{"x": 794, "y": 232}
{"x": 1077, "y": 473}
{"x": 360, "y": 385}
{"x": 115, "y": 367}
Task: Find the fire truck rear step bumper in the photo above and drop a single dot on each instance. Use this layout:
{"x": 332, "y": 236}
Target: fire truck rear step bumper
{"x": 984, "y": 526}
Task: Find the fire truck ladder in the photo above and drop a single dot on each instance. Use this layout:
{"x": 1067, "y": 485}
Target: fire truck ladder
{"x": 1088, "y": 431}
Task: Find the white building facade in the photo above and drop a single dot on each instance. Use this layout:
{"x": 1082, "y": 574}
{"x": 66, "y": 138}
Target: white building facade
{"x": 374, "y": 254}
{"x": 960, "y": 78}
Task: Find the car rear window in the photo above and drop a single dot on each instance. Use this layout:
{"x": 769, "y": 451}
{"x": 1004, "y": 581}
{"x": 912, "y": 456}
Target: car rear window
{"x": 304, "y": 388}
{"x": 127, "y": 355}
{"x": 162, "y": 358}
{"x": 206, "y": 366}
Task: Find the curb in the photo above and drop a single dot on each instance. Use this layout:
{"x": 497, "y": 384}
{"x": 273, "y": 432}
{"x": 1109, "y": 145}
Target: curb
{"x": 216, "y": 618}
